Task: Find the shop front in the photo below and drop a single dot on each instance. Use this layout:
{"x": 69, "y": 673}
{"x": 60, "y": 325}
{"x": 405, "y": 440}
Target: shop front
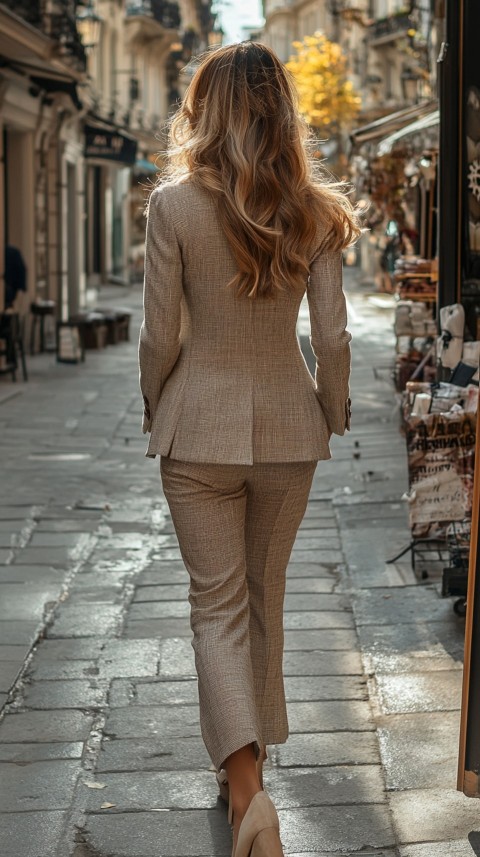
{"x": 110, "y": 155}
{"x": 423, "y": 181}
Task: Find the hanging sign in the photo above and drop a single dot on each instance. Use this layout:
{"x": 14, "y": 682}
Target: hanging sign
{"x": 109, "y": 145}
{"x": 441, "y": 456}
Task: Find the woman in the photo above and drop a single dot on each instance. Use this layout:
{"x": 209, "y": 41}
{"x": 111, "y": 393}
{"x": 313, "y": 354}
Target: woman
{"x": 240, "y": 229}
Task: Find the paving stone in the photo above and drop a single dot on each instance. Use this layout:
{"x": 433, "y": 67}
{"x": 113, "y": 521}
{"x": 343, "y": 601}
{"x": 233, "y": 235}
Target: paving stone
{"x": 337, "y": 828}
{"x": 160, "y": 692}
{"x": 306, "y": 542}
{"x": 15, "y": 511}
{"x": 31, "y": 574}
{"x": 38, "y": 785}
{"x": 164, "y": 574}
{"x": 25, "y": 602}
{"x": 330, "y": 716}
{"x": 159, "y": 610}
{"x": 165, "y": 592}
{"x": 64, "y": 694}
{"x": 51, "y": 539}
{"x": 324, "y": 687}
{"x": 313, "y": 569}
{"x": 394, "y": 605}
{"x": 305, "y": 535}
{"x": 30, "y": 834}
{"x": 431, "y": 815}
{"x": 129, "y": 541}
{"x": 45, "y": 726}
{"x": 82, "y": 594}
{"x": 413, "y": 647}
{"x": 189, "y": 833}
{"x": 69, "y": 525}
{"x": 313, "y": 585}
{"x": 318, "y": 640}
{"x": 25, "y": 753}
{"x": 177, "y": 657}
{"x": 320, "y": 509}
{"x": 437, "y": 691}
{"x": 322, "y": 555}
{"x": 328, "y": 748}
{"x": 167, "y": 554}
{"x": 18, "y": 633}
{"x": 157, "y": 753}
{"x": 175, "y": 722}
{"x": 406, "y": 739}
{"x": 13, "y": 653}
{"x": 8, "y": 673}
{"x": 141, "y": 652}
{"x": 308, "y": 620}
{"x": 147, "y": 790}
{"x": 12, "y": 526}
{"x": 162, "y": 628}
{"x": 312, "y": 601}
{"x": 85, "y": 620}
{"x": 69, "y": 650}
{"x": 56, "y": 556}
{"x": 455, "y": 848}
{"x": 322, "y": 663}
{"x": 325, "y": 786}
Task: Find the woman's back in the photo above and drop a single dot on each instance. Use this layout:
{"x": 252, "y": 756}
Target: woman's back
{"x": 234, "y": 385}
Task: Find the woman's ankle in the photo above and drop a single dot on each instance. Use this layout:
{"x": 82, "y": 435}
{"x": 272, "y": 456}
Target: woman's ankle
{"x": 243, "y": 780}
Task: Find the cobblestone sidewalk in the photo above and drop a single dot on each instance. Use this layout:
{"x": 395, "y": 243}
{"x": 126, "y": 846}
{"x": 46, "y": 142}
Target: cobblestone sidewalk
{"x": 100, "y": 748}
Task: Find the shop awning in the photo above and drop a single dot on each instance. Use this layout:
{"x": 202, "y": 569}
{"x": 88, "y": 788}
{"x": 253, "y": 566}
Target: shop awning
{"x": 429, "y": 121}
{"x": 48, "y": 77}
{"x": 144, "y": 166}
{"x": 390, "y": 123}
{"x": 56, "y": 84}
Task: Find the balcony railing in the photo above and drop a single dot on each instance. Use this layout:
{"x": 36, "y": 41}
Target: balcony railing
{"x": 61, "y": 26}
{"x": 166, "y": 14}
{"x": 392, "y": 26}
{"x": 56, "y": 20}
{"x": 29, "y": 10}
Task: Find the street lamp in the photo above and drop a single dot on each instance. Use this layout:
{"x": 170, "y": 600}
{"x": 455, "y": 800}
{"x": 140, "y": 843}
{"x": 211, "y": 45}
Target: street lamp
{"x": 88, "y": 24}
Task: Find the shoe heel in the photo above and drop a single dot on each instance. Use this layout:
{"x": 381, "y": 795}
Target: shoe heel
{"x": 267, "y": 844}
{"x": 222, "y": 782}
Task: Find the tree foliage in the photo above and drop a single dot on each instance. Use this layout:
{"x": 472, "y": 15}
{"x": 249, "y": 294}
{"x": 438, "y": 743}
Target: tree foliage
{"x": 327, "y": 98}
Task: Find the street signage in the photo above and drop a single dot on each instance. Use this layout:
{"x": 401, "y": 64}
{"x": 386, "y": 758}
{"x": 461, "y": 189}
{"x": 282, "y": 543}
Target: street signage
{"x": 109, "y": 145}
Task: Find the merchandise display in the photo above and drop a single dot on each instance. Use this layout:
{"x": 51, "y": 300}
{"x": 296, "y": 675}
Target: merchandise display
{"x": 440, "y": 427}
{"x": 415, "y": 279}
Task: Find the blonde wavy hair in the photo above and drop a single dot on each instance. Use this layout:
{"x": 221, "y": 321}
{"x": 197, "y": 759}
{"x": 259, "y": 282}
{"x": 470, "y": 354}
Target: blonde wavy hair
{"x": 238, "y": 134}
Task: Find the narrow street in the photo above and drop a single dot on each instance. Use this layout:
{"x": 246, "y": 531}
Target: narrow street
{"x": 101, "y": 754}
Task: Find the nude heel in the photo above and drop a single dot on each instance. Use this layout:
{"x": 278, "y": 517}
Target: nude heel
{"x": 259, "y": 834}
{"x": 267, "y": 844}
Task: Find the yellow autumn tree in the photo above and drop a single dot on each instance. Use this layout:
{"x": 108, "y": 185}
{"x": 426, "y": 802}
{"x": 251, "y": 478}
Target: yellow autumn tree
{"x": 327, "y": 98}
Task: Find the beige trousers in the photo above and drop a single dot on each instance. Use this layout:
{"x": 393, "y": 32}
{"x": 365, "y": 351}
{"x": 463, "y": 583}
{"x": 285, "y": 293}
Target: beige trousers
{"x": 236, "y": 525}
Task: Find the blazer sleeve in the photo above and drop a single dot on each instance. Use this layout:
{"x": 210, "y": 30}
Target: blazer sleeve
{"x": 330, "y": 340}
{"x": 159, "y": 345}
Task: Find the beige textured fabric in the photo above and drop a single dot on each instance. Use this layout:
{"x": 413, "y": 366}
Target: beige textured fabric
{"x": 223, "y": 378}
{"x": 236, "y": 526}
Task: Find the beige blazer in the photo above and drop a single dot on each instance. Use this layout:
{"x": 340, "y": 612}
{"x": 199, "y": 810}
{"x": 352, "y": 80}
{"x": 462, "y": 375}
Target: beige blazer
{"x": 223, "y": 378}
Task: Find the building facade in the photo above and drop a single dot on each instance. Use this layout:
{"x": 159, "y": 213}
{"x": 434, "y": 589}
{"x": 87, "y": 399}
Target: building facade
{"x": 81, "y": 121}
{"x": 390, "y": 44}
